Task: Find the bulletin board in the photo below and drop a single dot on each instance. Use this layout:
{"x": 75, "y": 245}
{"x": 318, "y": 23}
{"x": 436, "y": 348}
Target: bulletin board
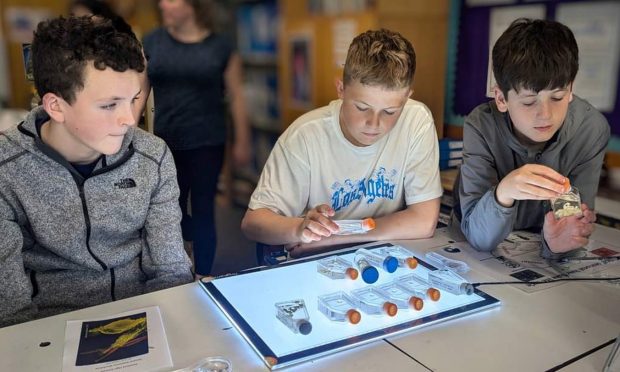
{"x": 248, "y": 299}
{"x": 469, "y": 48}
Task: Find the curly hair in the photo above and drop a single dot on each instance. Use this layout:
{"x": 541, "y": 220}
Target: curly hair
{"x": 535, "y": 54}
{"x": 62, "y": 47}
{"x": 380, "y": 57}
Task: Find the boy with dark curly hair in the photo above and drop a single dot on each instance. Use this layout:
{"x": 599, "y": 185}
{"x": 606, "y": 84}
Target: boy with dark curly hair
{"x": 88, "y": 202}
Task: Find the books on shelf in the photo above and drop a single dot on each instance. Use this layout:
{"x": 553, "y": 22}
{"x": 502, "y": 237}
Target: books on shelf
{"x": 257, "y": 31}
{"x": 449, "y": 163}
{"x": 447, "y": 144}
{"x": 130, "y": 341}
{"x": 450, "y": 153}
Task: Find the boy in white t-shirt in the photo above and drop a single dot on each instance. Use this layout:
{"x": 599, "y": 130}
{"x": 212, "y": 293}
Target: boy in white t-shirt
{"x": 372, "y": 153}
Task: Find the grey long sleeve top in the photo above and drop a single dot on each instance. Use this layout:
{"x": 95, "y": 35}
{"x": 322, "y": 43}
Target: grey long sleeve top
{"x": 491, "y": 151}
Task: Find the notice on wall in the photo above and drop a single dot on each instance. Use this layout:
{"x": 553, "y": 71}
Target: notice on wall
{"x": 22, "y": 21}
{"x": 500, "y": 19}
{"x": 599, "y": 49}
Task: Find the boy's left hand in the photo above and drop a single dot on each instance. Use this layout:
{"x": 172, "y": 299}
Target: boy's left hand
{"x": 568, "y": 233}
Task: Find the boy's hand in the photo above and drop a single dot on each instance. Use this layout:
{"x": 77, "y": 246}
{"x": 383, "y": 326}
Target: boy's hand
{"x": 530, "y": 182}
{"x": 568, "y": 233}
{"x": 317, "y": 224}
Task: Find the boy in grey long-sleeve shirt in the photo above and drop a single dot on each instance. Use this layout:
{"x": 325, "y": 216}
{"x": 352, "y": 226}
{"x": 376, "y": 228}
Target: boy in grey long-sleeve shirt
{"x": 519, "y": 148}
{"x": 88, "y": 203}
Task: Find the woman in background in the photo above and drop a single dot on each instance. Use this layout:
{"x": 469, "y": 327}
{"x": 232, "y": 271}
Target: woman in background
{"x": 194, "y": 71}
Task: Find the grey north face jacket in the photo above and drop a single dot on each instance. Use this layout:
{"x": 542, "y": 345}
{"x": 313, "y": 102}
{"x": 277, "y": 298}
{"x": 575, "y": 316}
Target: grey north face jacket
{"x": 68, "y": 242}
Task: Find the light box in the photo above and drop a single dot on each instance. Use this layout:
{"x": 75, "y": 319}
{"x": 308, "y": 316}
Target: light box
{"x": 248, "y": 299}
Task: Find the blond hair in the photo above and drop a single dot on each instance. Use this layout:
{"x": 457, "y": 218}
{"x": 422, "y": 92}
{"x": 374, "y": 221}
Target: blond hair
{"x": 382, "y": 58}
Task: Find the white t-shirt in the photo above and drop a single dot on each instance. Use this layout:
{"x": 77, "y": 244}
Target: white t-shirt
{"x": 313, "y": 163}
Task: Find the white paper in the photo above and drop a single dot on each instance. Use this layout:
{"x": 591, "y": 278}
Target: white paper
{"x": 518, "y": 258}
{"x": 343, "y": 32}
{"x": 599, "y": 46}
{"x": 499, "y": 21}
{"x": 156, "y": 359}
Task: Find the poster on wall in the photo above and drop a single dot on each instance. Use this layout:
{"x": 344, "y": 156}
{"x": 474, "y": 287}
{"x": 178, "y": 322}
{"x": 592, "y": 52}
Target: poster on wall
{"x": 599, "y": 49}
{"x": 500, "y": 19}
{"x": 300, "y": 66}
{"x": 22, "y": 21}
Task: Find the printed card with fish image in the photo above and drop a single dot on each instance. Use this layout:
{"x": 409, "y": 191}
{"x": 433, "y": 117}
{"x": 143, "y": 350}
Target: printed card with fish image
{"x": 131, "y": 341}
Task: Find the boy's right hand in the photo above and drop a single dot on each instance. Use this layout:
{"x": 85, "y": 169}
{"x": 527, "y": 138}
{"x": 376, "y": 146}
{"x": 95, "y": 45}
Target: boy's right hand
{"x": 530, "y": 182}
{"x": 317, "y": 224}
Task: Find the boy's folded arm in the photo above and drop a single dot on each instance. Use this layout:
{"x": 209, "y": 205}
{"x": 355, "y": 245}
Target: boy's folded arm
{"x": 15, "y": 286}
{"x": 417, "y": 221}
{"x": 485, "y": 223}
{"x": 164, "y": 259}
{"x": 265, "y": 226}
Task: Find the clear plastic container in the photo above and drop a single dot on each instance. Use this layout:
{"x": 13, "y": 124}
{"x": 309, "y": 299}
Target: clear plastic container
{"x": 339, "y": 306}
{"x": 294, "y": 315}
{"x": 350, "y": 227}
{"x": 370, "y": 274}
{"x": 404, "y": 257}
{"x": 418, "y": 285}
{"x": 371, "y": 301}
{"x": 450, "y": 282}
{"x": 567, "y": 204}
{"x": 336, "y": 267}
{"x": 378, "y": 259}
{"x": 446, "y": 263}
{"x": 209, "y": 364}
{"x": 401, "y": 297}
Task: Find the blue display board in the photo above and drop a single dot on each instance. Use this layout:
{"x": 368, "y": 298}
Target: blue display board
{"x": 248, "y": 300}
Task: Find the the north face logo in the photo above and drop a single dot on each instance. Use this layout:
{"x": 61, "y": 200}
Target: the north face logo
{"x": 125, "y": 183}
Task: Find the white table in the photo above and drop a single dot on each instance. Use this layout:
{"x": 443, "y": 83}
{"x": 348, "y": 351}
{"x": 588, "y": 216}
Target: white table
{"x": 527, "y": 332}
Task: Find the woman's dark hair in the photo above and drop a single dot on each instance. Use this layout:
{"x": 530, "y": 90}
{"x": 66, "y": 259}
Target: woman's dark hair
{"x": 102, "y": 9}
{"x": 203, "y": 10}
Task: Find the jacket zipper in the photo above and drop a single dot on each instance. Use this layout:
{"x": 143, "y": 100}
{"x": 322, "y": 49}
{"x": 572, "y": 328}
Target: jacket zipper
{"x": 88, "y": 227}
{"x": 113, "y": 284}
{"x": 87, "y": 221}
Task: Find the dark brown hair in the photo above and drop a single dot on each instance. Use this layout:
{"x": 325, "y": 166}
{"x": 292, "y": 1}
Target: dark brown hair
{"x": 62, "y": 47}
{"x": 535, "y": 55}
